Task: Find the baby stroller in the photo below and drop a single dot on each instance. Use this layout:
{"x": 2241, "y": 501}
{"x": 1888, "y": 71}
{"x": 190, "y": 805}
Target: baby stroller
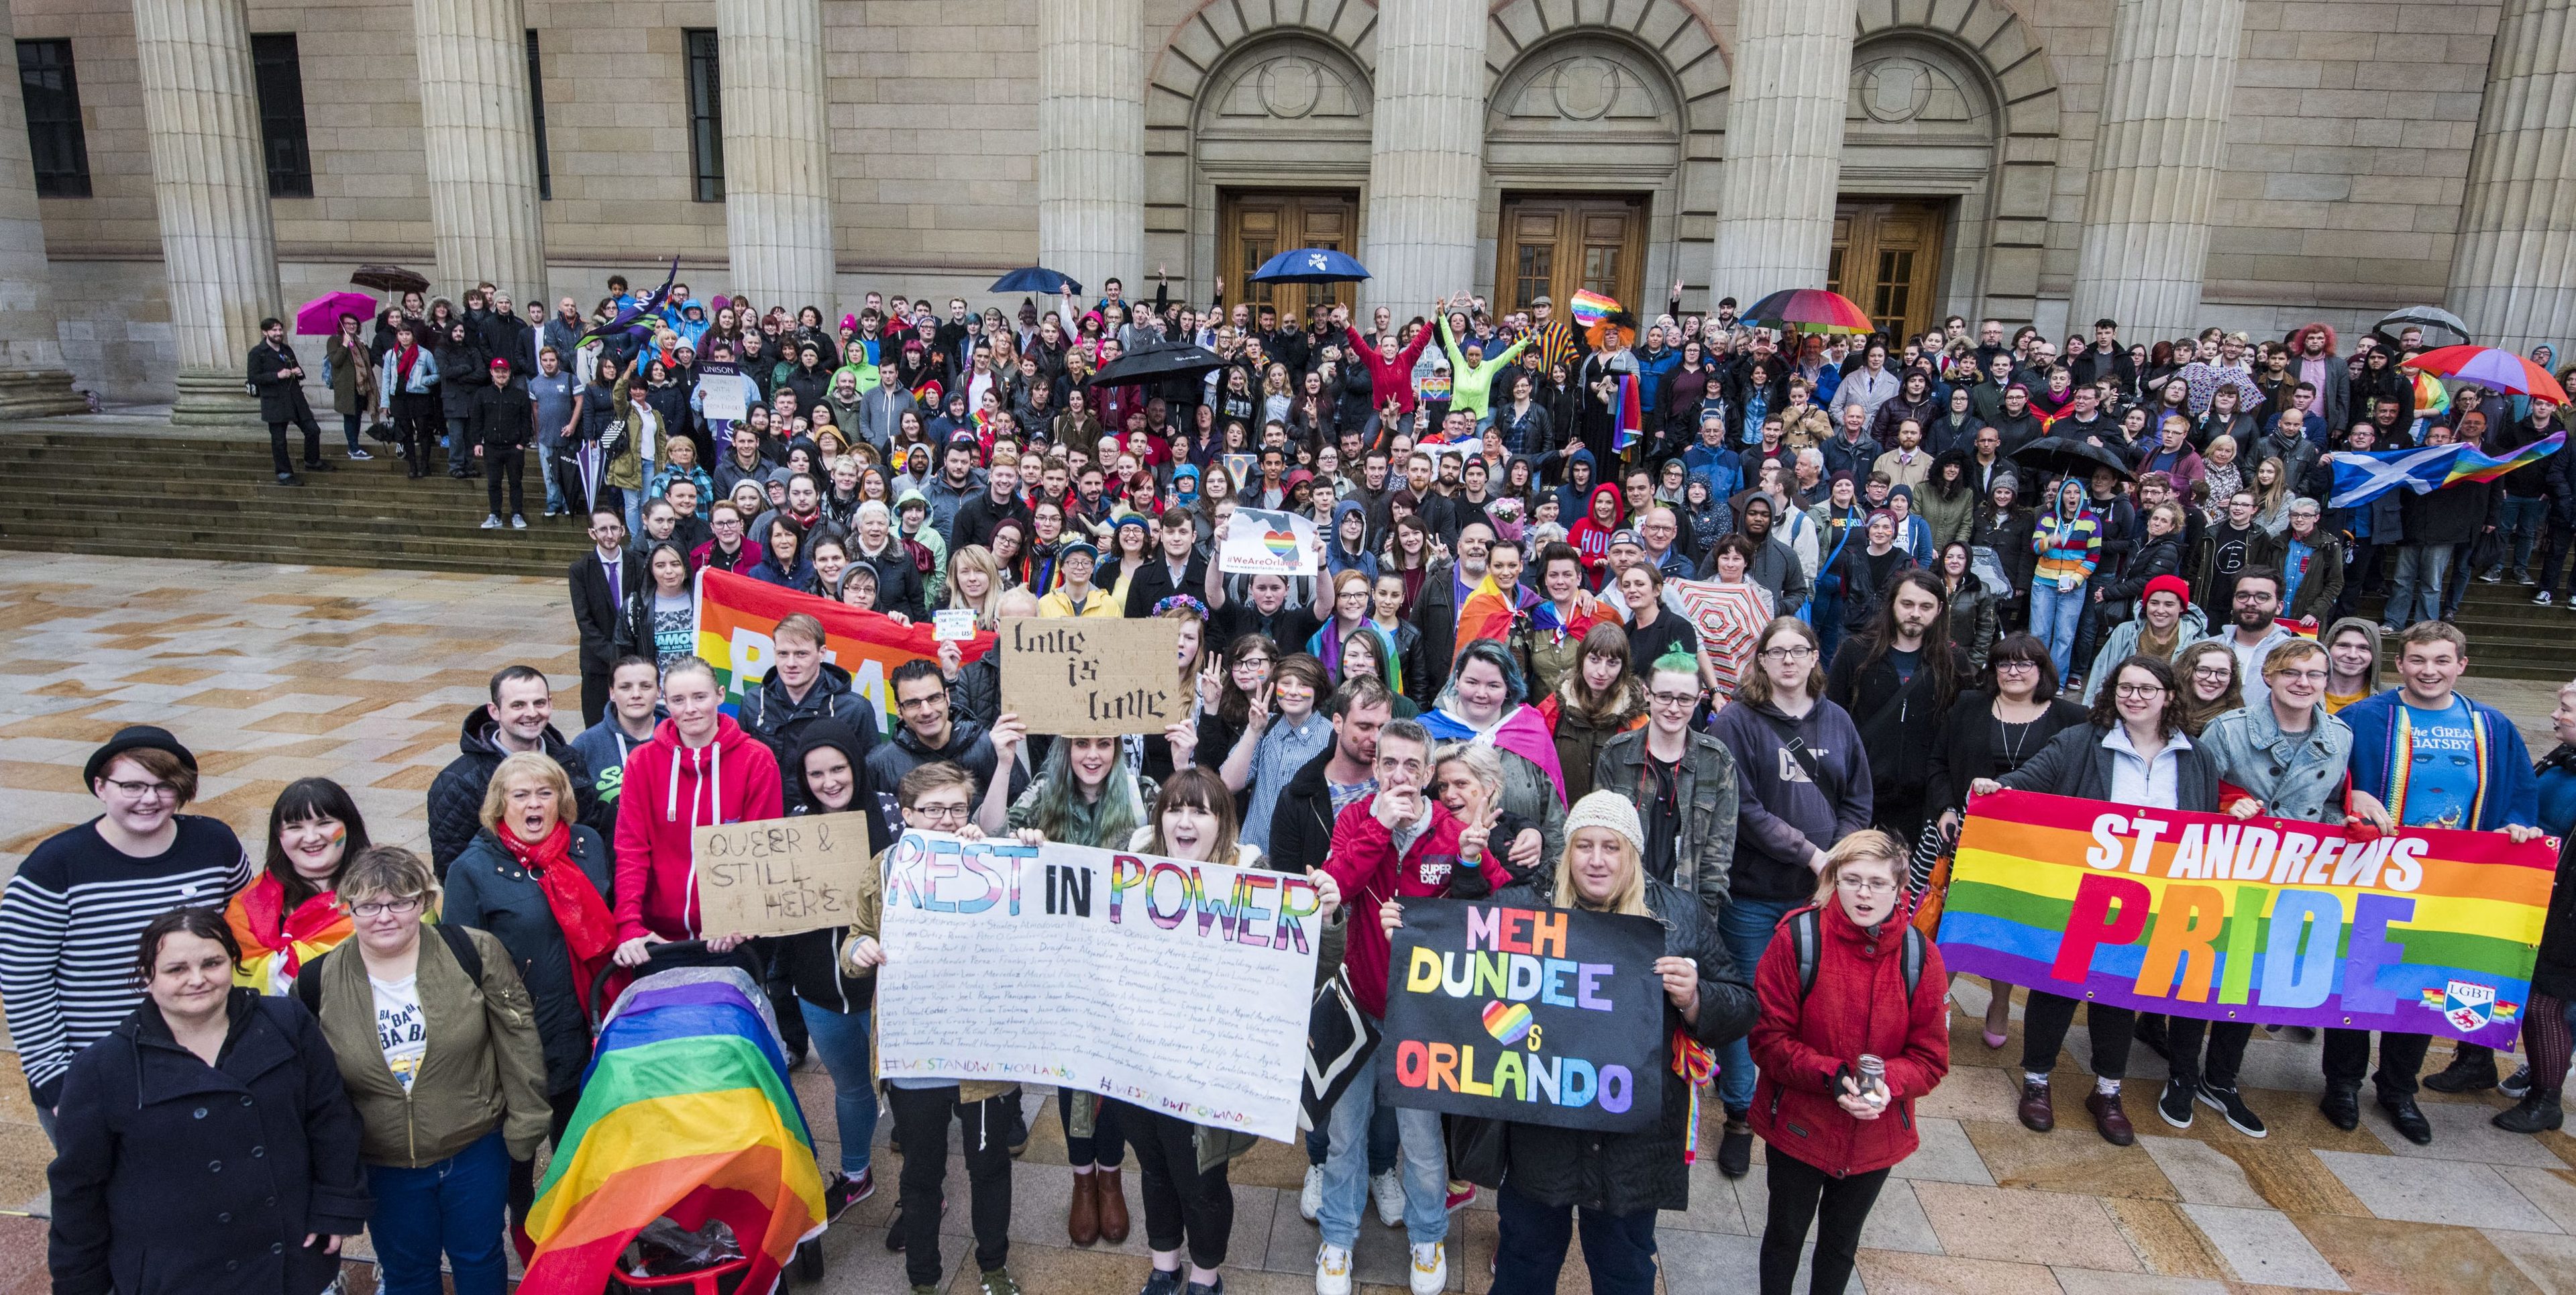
{"x": 688, "y": 1167}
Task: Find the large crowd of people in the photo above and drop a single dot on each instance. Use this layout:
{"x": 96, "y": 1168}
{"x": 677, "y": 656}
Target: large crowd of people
{"x": 2181, "y": 624}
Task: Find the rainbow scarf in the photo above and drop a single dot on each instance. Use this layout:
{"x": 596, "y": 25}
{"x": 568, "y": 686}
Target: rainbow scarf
{"x": 276, "y": 944}
{"x": 1697, "y": 1065}
{"x": 1486, "y": 614}
{"x": 685, "y": 1111}
{"x": 2401, "y": 764}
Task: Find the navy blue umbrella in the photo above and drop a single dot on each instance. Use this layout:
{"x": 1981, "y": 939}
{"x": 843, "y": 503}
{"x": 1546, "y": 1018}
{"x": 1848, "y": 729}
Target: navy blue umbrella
{"x": 1037, "y": 279}
{"x": 1310, "y": 265}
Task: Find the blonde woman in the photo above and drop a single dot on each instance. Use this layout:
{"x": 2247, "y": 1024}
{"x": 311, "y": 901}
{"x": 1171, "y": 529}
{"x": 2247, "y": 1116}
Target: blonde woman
{"x": 975, "y": 583}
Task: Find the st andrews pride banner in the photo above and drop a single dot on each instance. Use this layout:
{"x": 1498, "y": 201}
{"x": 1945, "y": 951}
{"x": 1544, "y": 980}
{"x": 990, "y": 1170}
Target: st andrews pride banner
{"x": 737, "y": 613}
{"x": 2423, "y": 931}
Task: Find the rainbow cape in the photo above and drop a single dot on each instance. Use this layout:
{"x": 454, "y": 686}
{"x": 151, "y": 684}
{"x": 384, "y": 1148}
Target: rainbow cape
{"x": 1487, "y": 614}
{"x": 685, "y": 1111}
{"x": 1588, "y": 307}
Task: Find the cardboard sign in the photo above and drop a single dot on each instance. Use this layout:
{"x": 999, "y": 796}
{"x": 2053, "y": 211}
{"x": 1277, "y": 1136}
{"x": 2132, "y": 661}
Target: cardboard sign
{"x": 1093, "y": 677}
{"x": 780, "y": 876}
{"x": 1176, "y": 986}
{"x": 1540, "y": 1016}
{"x": 1263, "y": 543}
{"x": 724, "y": 399}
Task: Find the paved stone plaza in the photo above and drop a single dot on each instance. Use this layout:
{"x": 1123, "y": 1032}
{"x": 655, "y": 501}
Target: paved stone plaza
{"x": 275, "y": 673}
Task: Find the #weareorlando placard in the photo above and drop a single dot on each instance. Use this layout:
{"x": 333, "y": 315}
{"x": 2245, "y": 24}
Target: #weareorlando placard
{"x": 1259, "y": 542}
{"x": 2425, "y": 931}
{"x": 1175, "y": 986}
{"x": 1539, "y": 1016}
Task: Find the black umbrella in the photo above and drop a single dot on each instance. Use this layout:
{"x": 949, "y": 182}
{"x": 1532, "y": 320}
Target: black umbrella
{"x": 389, "y": 278}
{"x": 1157, "y": 364}
{"x": 2061, "y": 456}
{"x": 1037, "y": 279}
{"x": 2428, "y": 318}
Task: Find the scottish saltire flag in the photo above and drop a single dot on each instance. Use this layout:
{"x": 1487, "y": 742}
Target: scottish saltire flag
{"x": 2361, "y": 476}
{"x": 1588, "y": 308}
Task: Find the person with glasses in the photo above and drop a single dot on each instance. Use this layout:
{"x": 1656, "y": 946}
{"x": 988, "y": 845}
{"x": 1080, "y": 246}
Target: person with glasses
{"x": 2132, "y": 752}
{"x": 1803, "y": 784}
{"x": 2253, "y": 627}
{"x": 442, "y": 1056}
{"x": 70, "y": 916}
{"x": 1989, "y": 732}
{"x": 1683, "y": 781}
{"x": 1832, "y": 1143}
{"x": 2207, "y": 672}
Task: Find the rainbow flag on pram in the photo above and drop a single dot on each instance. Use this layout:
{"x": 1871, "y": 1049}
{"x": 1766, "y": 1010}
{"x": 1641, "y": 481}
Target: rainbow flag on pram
{"x": 685, "y": 1111}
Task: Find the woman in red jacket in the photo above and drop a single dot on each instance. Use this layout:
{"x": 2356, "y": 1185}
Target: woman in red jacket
{"x": 1835, "y": 1128}
{"x": 699, "y": 770}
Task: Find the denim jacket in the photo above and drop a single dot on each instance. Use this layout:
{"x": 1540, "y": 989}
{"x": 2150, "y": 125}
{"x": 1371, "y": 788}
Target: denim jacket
{"x": 2296, "y": 775}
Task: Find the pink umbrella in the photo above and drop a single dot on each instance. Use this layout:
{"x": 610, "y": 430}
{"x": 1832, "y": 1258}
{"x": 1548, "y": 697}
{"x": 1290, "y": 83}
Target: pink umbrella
{"x": 320, "y": 317}
{"x": 1728, "y": 618}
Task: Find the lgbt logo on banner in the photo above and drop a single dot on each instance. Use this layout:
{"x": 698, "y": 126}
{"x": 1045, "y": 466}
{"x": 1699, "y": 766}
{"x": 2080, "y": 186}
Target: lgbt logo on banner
{"x": 2425, "y": 931}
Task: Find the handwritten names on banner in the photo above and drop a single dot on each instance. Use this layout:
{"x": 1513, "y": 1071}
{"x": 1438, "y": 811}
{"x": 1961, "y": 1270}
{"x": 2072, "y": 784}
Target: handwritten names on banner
{"x": 1176, "y": 986}
{"x": 780, "y": 876}
{"x": 1093, "y": 677}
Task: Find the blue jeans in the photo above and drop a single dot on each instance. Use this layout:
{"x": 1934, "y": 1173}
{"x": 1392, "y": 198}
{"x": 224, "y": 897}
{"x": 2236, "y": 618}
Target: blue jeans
{"x": 455, "y": 1206}
{"x": 548, "y": 445}
{"x": 1382, "y": 1144}
{"x": 841, "y": 1040}
{"x": 349, "y": 428}
{"x": 2415, "y": 593}
{"x": 1425, "y": 1163}
{"x": 1746, "y": 925}
{"x": 458, "y": 448}
{"x": 2521, "y": 520}
{"x": 2054, "y": 617}
{"x": 1618, "y": 1248}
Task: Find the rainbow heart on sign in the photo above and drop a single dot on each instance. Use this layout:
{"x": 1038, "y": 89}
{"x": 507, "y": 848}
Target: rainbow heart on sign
{"x": 1509, "y": 1023}
{"x": 1280, "y": 543}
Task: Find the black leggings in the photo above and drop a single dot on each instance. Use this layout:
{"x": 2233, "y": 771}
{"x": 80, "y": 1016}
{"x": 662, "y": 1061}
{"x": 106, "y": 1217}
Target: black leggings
{"x": 2047, "y": 1017}
{"x": 1107, "y": 1144}
{"x": 1181, "y": 1203}
{"x": 1800, "y": 1194}
{"x": 921, "y": 1123}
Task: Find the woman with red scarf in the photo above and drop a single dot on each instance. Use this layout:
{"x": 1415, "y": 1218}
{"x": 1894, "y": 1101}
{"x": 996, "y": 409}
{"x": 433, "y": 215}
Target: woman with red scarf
{"x": 289, "y": 915}
{"x": 539, "y": 883}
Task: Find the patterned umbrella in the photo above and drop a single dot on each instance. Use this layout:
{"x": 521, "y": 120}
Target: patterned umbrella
{"x": 1809, "y": 310}
{"x": 1728, "y": 617}
{"x": 2492, "y": 368}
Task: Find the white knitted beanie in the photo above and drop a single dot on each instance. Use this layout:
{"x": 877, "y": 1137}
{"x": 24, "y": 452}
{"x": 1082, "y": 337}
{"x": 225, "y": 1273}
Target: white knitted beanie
{"x": 1607, "y": 809}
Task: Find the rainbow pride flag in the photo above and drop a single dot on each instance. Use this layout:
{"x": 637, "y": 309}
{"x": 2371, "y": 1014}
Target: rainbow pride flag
{"x": 1630, "y": 421}
{"x": 737, "y": 613}
{"x": 2267, "y": 920}
{"x": 685, "y": 1111}
{"x": 1588, "y": 307}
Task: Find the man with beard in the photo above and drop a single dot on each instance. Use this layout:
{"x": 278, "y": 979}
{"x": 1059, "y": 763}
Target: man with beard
{"x": 2252, "y": 628}
{"x": 1897, "y": 680}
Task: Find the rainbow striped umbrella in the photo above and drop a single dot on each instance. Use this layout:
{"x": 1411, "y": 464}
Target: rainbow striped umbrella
{"x": 2492, "y": 368}
{"x": 1809, "y": 310}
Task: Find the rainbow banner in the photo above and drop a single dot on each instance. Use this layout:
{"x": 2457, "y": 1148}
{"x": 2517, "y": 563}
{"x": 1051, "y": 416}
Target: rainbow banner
{"x": 2426, "y": 931}
{"x": 686, "y": 1112}
{"x": 1628, "y": 420}
{"x": 736, "y": 614}
{"x": 1589, "y": 308}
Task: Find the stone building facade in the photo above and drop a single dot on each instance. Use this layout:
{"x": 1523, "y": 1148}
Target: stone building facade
{"x": 2172, "y": 163}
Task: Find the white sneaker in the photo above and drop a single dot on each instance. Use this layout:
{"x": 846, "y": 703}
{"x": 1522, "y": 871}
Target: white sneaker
{"x": 1430, "y": 1268}
{"x": 1310, "y": 1198}
{"x": 518, "y": 522}
{"x": 360, "y": 456}
{"x": 491, "y": 523}
{"x": 1388, "y": 1189}
{"x": 1332, "y": 1270}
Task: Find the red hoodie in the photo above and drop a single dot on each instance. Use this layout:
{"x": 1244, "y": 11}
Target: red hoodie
{"x": 1858, "y": 1005}
{"x": 1362, "y": 862}
{"x": 1588, "y": 535}
{"x": 669, "y": 792}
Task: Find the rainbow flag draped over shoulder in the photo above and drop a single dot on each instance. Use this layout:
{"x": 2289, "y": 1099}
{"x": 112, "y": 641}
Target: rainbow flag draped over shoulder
{"x": 737, "y": 613}
{"x": 1486, "y": 614}
{"x": 1588, "y": 307}
{"x": 2265, "y": 920}
{"x": 1630, "y": 420}
{"x": 685, "y": 1111}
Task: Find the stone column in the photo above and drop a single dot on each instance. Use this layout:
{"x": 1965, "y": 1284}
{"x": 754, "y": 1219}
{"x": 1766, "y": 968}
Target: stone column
{"x": 1427, "y": 159}
{"x": 33, "y": 381}
{"x": 2157, "y": 153}
{"x": 778, "y": 178}
{"x": 1091, "y": 140}
{"x": 1784, "y": 146}
{"x": 481, "y": 141}
{"x": 210, "y": 191}
{"x": 2513, "y": 272}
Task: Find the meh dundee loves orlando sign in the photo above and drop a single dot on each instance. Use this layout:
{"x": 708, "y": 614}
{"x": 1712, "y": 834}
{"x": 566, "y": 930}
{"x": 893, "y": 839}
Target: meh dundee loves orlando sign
{"x": 1540, "y": 1016}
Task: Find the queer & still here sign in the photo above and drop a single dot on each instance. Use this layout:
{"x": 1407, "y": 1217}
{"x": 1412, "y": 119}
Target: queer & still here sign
{"x": 1540, "y": 1016}
{"x": 2425, "y": 931}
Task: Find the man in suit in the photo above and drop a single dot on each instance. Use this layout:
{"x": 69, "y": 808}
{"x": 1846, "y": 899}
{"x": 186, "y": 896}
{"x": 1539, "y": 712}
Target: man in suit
{"x": 601, "y": 581}
{"x": 279, "y": 378}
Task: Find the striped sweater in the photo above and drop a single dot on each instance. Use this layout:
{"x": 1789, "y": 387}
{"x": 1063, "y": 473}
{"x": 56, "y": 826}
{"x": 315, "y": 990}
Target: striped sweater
{"x": 68, "y": 924}
{"x": 2067, "y": 546}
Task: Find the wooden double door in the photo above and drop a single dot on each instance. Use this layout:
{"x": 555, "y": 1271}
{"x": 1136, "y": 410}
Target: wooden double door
{"x": 1887, "y": 257}
{"x": 1555, "y": 246}
{"x": 1252, "y": 227}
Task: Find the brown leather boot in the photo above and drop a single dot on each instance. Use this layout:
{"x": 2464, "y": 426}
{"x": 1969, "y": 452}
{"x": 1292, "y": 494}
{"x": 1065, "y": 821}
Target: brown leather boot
{"x": 1112, "y": 1199}
{"x": 1082, "y": 1220}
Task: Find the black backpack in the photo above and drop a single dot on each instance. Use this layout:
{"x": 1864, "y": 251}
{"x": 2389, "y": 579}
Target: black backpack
{"x": 1806, "y": 937}
{"x": 308, "y": 986}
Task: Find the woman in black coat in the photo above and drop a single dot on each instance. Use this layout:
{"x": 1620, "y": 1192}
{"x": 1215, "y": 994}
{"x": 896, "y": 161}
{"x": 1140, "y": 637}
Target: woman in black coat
{"x": 205, "y": 1146}
{"x": 461, "y": 373}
